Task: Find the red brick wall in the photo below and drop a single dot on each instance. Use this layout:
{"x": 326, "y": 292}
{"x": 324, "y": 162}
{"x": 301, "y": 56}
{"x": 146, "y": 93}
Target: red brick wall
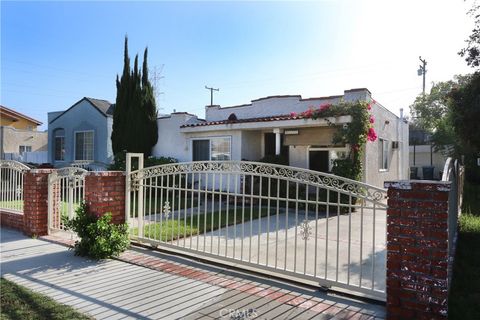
{"x": 35, "y": 195}
{"x": 11, "y": 219}
{"x": 105, "y": 192}
{"x": 417, "y": 249}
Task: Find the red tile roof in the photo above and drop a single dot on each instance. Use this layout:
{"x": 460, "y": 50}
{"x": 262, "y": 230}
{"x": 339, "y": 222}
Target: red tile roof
{"x": 260, "y": 119}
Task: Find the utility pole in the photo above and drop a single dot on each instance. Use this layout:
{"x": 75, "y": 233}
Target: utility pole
{"x": 155, "y": 77}
{"x": 422, "y": 71}
{"x": 211, "y": 94}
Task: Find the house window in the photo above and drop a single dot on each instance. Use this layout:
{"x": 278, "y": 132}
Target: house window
{"x": 59, "y": 145}
{"x": 383, "y": 154}
{"x": 216, "y": 149}
{"x": 84, "y": 145}
{"x": 23, "y": 149}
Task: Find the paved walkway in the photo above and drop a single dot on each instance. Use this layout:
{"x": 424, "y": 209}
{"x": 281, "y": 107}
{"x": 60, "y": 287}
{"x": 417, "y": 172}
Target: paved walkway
{"x": 144, "y": 284}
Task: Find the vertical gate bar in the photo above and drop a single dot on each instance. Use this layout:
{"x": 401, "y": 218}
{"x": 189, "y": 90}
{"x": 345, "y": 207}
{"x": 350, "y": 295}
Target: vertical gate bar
{"x": 175, "y": 195}
{"x": 168, "y": 215}
{"x": 192, "y": 194}
{"x": 277, "y": 221}
{"x": 361, "y": 242}
{"x": 134, "y": 212}
{"x": 251, "y": 220}
{"x": 199, "y": 201}
{"x": 179, "y": 202}
{"x": 144, "y": 205}
{"x": 327, "y": 222}
{"x": 268, "y": 218}
{"x": 70, "y": 187}
{"x": 150, "y": 211}
{"x": 220, "y": 196}
{"x": 373, "y": 246}
{"x": 316, "y": 231}
{"x": 296, "y": 230}
{"x": 12, "y": 203}
{"x": 185, "y": 195}
{"x": 286, "y": 224}
{"x": 349, "y": 236}
{"x": 205, "y": 213}
{"x": 229, "y": 176}
{"x": 244, "y": 176}
{"x": 213, "y": 209}
{"x": 172, "y": 209}
{"x": 128, "y": 180}
{"x": 307, "y": 208}
{"x": 162, "y": 190}
{"x": 339, "y": 195}
{"x": 236, "y": 181}
{"x": 140, "y": 193}
{"x": 259, "y": 219}
{"x": 155, "y": 206}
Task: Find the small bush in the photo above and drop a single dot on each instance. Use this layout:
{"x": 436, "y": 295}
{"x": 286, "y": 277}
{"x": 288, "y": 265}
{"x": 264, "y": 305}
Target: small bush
{"x": 99, "y": 237}
{"x": 119, "y": 162}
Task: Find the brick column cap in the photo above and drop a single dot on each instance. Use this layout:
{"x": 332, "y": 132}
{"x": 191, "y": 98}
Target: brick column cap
{"x": 41, "y": 170}
{"x": 443, "y": 186}
{"x": 107, "y": 173}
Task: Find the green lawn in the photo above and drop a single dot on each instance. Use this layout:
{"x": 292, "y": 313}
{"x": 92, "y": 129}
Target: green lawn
{"x": 464, "y": 299}
{"x": 13, "y": 205}
{"x": 198, "y": 224}
{"x": 18, "y": 302}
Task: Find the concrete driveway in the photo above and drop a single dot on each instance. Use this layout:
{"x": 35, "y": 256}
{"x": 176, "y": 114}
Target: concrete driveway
{"x": 149, "y": 285}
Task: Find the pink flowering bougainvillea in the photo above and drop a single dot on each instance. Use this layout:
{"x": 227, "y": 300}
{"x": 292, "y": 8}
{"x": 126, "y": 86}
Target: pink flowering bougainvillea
{"x": 356, "y": 133}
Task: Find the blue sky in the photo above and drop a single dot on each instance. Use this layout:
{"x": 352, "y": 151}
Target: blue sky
{"x": 55, "y": 53}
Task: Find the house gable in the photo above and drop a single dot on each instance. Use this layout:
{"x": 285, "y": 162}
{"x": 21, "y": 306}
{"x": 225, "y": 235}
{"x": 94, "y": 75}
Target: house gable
{"x": 103, "y": 106}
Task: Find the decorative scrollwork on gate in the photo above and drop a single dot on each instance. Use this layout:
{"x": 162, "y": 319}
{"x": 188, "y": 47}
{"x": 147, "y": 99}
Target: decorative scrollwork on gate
{"x": 14, "y": 165}
{"x": 292, "y": 174}
{"x": 305, "y": 230}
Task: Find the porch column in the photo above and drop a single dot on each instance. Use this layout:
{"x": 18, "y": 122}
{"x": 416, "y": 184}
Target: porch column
{"x": 278, "y": 141}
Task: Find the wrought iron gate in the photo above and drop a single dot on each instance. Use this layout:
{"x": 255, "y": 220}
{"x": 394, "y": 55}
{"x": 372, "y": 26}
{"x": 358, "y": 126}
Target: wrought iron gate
{"x": 299, "y": 224}
{"x": 65, "y": 193}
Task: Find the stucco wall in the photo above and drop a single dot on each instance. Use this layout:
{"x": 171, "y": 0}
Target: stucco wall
{"x": 252, "y": 145}
{"x": 12, "y": 138}
{"x": 386, "y": 125}
{"x": 171, "y": 142}
{"x": 297, "y": 156}
{"x": 82, "y": 117}
{"x": 279, "y": 106}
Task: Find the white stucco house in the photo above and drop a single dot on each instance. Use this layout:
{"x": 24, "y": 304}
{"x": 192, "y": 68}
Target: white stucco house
{"x": 266, "y": 127}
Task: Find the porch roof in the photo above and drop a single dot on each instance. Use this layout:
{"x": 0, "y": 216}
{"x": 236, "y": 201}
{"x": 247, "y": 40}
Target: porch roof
{"x": 282, "y": 121}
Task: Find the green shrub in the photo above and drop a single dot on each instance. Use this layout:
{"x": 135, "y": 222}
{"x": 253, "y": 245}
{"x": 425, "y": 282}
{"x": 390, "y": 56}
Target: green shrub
{"x": 99, "y": 237}
{"x": 119, "y": 162}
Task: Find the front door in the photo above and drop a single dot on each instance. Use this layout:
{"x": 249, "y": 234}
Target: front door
{"x": 318, "y": 161}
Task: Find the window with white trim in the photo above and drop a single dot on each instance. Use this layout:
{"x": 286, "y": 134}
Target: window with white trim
{"x": 383, "y": 151}
{"x": 23, "y": 149}
{"x": 84, "y": 145}
{"x": 215, "y": 148}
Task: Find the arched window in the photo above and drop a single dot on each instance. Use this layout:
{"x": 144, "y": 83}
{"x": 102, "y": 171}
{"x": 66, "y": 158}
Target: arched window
{"x": 59, "y": 144}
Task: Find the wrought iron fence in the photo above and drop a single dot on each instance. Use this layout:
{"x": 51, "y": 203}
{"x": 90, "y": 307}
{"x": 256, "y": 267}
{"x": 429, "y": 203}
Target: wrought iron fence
{"x": 11, "y": 185}
{"x": 453, "y": 172}
{"x": 295, "y": 223}
{"x": 65, "y": 193}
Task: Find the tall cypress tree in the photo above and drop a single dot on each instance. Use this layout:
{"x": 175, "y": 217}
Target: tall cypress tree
{"x": 150, "y": 108}
{"x": 135, "y": 115}
{"x": 121, "y": 105}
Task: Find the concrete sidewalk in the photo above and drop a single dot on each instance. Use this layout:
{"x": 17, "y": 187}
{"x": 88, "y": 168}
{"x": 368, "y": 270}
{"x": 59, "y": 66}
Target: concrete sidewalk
{"x": 145, "y": 284}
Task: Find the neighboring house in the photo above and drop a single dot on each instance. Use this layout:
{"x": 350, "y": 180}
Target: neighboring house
{"x": 81, "y": 133}
{"x": 266, "y": 127}
{"x": 424, "y": 160}
{"x": 20, "y": 139}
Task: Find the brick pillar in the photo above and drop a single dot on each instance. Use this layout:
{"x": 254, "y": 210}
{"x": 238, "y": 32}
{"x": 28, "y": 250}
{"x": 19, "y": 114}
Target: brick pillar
{"x": 417, "y": 249}
{"x": 105, "y": 192}
{"x": 35, "y": 208}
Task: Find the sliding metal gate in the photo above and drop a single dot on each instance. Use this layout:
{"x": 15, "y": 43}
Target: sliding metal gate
{"x": 65, "y": 194}
{"x": 299, "y": 224}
